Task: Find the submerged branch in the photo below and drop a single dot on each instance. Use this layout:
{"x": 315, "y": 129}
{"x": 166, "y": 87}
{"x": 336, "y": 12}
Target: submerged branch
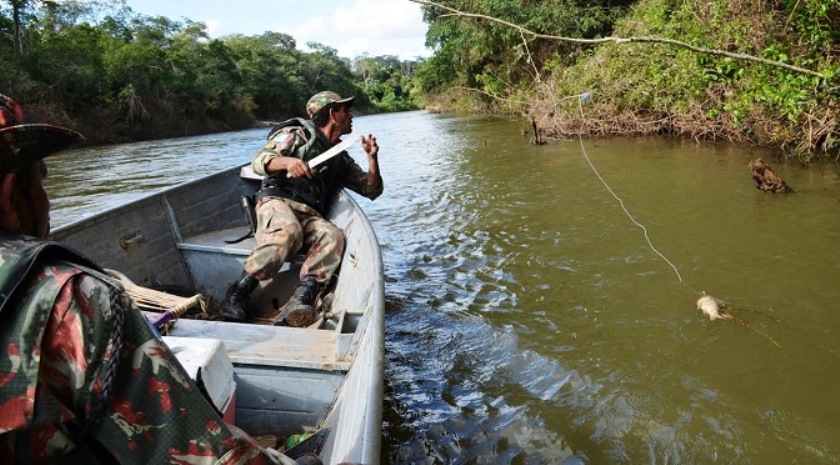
{"x": 625, "y": 40}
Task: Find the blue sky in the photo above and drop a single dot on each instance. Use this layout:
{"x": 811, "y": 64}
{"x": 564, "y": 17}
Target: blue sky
{"x": 353, "y": 27}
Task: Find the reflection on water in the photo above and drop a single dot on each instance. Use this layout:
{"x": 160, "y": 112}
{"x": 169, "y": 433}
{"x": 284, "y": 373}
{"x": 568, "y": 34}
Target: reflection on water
{"x": 528, "y": 320}
{"x": 86, "y": 181}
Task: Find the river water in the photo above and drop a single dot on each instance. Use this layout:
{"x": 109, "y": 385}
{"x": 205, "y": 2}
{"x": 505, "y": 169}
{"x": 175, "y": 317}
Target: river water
{"x": 532, "y": 319}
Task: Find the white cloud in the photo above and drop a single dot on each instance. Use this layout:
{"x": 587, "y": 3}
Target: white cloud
{"x": 214, "y": 26}
{"x": 379, "y": 17}
{"x": 356, "y": 47}
{"x": 378, "y": 27}
{"x": 353, "y": 27}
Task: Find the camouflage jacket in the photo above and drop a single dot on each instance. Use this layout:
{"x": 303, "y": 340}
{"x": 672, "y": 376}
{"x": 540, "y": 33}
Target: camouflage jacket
{"x": 55, "y": 369}
{"x": 301, "y": 139}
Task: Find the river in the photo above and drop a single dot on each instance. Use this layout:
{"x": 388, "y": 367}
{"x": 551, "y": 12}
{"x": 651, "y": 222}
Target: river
{"x": 541, "y": 299}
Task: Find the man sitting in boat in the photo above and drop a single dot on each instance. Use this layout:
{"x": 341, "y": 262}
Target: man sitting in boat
{"x": 292, "y": 201}
{"x": 83, "y": 377}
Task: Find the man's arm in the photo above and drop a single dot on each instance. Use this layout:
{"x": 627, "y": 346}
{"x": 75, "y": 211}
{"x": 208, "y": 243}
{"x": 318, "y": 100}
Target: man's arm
{"x": 372, "y": 149}
{"x": 275, "y": 157}
{"x": 368, "y": 184}
{"x": 155, "y": 413}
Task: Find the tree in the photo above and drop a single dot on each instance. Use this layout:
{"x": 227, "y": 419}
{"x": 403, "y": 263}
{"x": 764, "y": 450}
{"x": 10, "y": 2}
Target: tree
{"x": 89, "y": 62}
{"x": 471, "y": 52}
{"x": 270, "y": 66}
{"x": 324, "y": 70}
{"x": 18, "y": 7}
{"x": 387, "y": 82}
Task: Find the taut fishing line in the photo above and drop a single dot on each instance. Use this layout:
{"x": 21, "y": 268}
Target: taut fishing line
{"x": 585, "y": 97}
{"x": 709, "y": 305}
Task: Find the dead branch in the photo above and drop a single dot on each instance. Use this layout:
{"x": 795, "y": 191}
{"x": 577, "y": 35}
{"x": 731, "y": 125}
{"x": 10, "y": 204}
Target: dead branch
{"x": 493, "y": 96}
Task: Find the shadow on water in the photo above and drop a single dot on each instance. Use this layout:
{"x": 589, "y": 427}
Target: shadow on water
{"x": 528, "y": 321}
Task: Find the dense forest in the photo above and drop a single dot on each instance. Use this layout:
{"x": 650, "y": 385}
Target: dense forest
{"x": 116, "y": 75}
{"x": 757, "y": 71}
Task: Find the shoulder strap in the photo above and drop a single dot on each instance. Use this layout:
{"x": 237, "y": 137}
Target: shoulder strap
{"x": 19, "y": 257}
{"x": 285, "y": 124}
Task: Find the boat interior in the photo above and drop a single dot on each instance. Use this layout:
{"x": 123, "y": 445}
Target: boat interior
{"x": 287, "y": 379}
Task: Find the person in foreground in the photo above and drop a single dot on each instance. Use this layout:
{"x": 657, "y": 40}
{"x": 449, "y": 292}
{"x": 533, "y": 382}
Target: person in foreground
{"x": 83, "y": 377}
{"x": 292, "y": 201}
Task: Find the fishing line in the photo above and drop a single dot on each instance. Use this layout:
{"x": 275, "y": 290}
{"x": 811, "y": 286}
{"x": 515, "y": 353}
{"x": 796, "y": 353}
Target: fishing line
{"x": 585, "y": 97}
{"x": 711, "y": 306}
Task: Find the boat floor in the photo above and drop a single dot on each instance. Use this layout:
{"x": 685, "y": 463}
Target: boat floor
{"x": 260, "y": 344}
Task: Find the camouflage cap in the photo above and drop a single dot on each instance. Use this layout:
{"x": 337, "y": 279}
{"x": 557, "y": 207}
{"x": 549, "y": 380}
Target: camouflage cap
{"x": 24, "y": 144}
{"x": 322, "y": 99}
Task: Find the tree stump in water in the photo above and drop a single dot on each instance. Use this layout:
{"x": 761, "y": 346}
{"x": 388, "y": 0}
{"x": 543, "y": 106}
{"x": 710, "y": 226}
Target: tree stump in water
{"x": 537, "y": 137}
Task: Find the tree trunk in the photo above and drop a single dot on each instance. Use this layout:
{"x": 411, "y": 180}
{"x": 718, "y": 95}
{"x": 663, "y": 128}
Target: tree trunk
{"x": 17, "y": 8}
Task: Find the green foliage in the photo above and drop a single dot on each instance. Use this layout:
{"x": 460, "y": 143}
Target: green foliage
{"x": 651, "y": 87}
{"x": 83, "y": 63}
{"x": 643, "y": 88}
{"x": 468, "y": 50}
{"x": 323, "y": 69}
{"x": 387, "y": 83}
{"x": 714, "y": 96}
{"x": 815, "y": 21}
{"x": 270, "y": 66}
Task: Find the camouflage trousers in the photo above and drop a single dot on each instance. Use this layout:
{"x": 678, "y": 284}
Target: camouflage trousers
{"x": 282, "y": 231}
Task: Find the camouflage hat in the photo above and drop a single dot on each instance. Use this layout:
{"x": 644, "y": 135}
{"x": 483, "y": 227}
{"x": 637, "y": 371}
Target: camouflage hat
{"x": 24, "y": 144}
{"x": 322, "y": 99}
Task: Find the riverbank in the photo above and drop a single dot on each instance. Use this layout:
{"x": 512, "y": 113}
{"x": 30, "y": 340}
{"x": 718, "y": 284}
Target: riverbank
{"x": 111, "y": 125}
{"x": 641, "y": 89}
{"x": 762, "y": 73}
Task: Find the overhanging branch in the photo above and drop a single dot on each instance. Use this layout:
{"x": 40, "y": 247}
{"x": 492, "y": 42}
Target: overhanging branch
{"x": 626, "y": 40}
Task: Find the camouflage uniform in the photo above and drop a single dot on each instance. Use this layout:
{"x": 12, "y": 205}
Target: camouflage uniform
{"x": 291, "y": 216}
{"x": 57, "y": 340}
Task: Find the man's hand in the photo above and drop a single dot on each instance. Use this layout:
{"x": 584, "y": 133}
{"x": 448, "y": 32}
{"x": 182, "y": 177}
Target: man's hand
{"x": 295, "y": 167}
{"x": 298, "y": 168}
{"x": 370, "y": 146}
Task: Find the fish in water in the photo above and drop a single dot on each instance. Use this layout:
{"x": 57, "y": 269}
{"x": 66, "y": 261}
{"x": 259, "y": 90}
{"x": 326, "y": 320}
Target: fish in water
{"x": 716, "y": 310}
{"x": 712, "y": 307}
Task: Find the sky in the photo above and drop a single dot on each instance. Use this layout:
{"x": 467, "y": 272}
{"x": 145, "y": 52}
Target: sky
{"x": 353, "y": 27}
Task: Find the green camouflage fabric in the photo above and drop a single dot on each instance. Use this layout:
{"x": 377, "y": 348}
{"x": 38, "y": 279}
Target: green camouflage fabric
{"x": 294, "y": 141}
{"x": 56, "y": 342}
{"x": 283, "y": 228}
{"x": 286, "y": 225}
{"x": 322, "y": 99}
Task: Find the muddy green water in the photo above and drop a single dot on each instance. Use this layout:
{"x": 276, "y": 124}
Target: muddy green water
{"x": 530, "y": 321}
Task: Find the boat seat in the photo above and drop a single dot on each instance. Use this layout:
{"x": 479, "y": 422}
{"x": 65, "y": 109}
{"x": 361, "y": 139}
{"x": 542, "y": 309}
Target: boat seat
{"x": 279, "y": 346}
{"x": 214, "y": 242}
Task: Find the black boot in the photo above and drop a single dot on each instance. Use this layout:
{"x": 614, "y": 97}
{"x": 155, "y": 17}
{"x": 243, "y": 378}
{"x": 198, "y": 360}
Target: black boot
{"x": 236, "y": 299}
{"x": 300, "y": 311}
